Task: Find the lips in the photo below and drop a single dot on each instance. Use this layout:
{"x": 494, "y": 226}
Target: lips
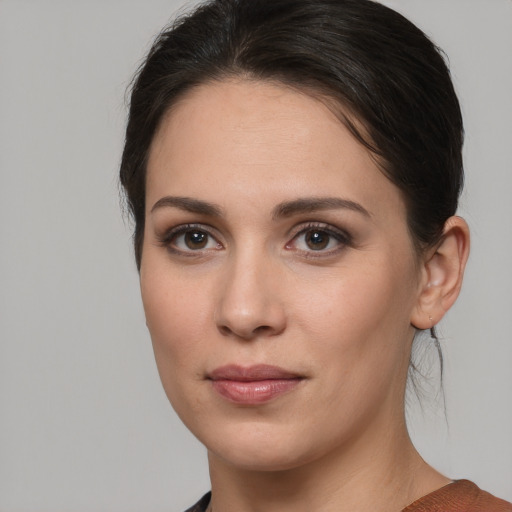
{"x": 253, "y": 385}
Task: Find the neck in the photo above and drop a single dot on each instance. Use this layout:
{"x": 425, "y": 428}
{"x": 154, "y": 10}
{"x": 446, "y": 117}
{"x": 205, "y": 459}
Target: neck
{"x": 360, "y": 478}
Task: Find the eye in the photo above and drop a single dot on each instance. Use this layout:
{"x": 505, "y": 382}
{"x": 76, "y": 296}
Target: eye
{"x": 192, "y": 240}
{"x": 188, "y": 238}
{"x": 318, "y": 239}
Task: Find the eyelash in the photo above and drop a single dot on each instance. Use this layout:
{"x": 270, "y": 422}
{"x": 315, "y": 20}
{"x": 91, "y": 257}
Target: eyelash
{"x": 343, "y": 239}
{"x": 169, "y": 238}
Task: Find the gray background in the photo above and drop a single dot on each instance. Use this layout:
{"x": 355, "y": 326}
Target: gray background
{"x": 84, "y": 424}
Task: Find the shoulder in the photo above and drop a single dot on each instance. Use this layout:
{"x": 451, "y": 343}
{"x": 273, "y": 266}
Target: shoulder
{"x": 459, "y": 496}
{"x": 201, "y": 505}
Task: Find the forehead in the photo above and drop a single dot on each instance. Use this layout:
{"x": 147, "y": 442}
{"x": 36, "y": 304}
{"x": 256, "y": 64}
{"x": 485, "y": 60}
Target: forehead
{"x": 248, "y": 134}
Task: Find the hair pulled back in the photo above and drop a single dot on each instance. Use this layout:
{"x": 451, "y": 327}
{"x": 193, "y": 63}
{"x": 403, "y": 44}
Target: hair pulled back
{"x": 389, "y": 82}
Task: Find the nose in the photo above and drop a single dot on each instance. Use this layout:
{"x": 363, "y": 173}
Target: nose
{"x": 250, "y": 304}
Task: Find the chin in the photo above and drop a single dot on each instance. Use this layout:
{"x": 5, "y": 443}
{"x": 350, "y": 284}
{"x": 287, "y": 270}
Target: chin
{"x": 256, "y": 448}
{"x": 259, "y": 459}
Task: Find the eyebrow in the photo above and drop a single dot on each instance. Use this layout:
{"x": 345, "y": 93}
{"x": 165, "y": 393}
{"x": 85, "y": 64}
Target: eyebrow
{"x": 188, "y": 204}
{"x": 285, "y": 209}
{"x": 315, "y": 204}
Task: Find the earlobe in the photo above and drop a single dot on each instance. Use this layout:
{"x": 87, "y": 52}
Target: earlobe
{"x": 443, "y": 271}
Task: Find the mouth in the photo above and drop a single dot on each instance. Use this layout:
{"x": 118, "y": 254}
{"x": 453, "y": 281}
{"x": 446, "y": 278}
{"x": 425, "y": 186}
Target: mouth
{"x": 253, "y": 385}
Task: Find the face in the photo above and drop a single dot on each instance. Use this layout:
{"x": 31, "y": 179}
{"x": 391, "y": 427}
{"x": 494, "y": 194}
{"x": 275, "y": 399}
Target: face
{"x": 278, "y": 277}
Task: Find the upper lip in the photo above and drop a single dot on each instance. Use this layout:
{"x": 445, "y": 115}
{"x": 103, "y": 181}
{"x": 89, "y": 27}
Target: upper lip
{"x": 251, "y": 373}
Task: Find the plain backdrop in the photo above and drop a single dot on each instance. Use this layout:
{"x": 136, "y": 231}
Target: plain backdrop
{"x": 84, "y": 423}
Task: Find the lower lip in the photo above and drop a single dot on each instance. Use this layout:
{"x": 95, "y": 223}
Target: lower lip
{"x": 254, "y": 392}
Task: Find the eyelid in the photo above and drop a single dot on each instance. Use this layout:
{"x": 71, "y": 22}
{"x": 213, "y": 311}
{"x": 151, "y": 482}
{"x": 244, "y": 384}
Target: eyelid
{"x": 344, "y": 239}
{"x": 342, "y": 236}
{"x": 165, "y": 239}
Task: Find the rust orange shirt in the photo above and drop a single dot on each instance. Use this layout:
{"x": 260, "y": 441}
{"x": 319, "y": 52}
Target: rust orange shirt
{"x": 459, "y": 496}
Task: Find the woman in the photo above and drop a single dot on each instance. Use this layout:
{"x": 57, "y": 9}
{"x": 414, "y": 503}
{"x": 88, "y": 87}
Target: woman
{"x": 293, "y": 168}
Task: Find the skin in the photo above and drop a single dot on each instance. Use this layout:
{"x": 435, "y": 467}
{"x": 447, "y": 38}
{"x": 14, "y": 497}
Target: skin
{"x": 342, "y": 316}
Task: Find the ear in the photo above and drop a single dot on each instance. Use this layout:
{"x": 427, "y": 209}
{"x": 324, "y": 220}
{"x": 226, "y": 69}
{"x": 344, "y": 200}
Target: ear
{"x": 442, "y": 273}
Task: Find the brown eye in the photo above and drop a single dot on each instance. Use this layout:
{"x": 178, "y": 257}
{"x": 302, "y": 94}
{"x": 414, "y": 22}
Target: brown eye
{"x": 189, "y": 239}
{"x": 322, "y": 240}
{"x": 195, "y": 239}
{"x": 316, "y": 239}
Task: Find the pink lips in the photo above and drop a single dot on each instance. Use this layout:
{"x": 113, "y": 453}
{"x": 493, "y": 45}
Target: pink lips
{"x": 252, "y": 385}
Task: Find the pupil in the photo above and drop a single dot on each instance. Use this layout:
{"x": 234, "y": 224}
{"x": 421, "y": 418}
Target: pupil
{"x": 317, "y": 240}
{"x": 195, "y": 239}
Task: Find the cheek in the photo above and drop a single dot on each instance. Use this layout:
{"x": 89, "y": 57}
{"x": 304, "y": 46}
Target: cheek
{"x": 173, "y": 320}
{"x": 360, "y": 319}
{"x": 372, "y": 296}
{"x": 174, "y": 316}
{"x": 361, "y": 343}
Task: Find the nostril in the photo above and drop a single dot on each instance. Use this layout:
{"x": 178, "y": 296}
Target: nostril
{"x": 225, "y": 330}
{"x": 262, "y": 329}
